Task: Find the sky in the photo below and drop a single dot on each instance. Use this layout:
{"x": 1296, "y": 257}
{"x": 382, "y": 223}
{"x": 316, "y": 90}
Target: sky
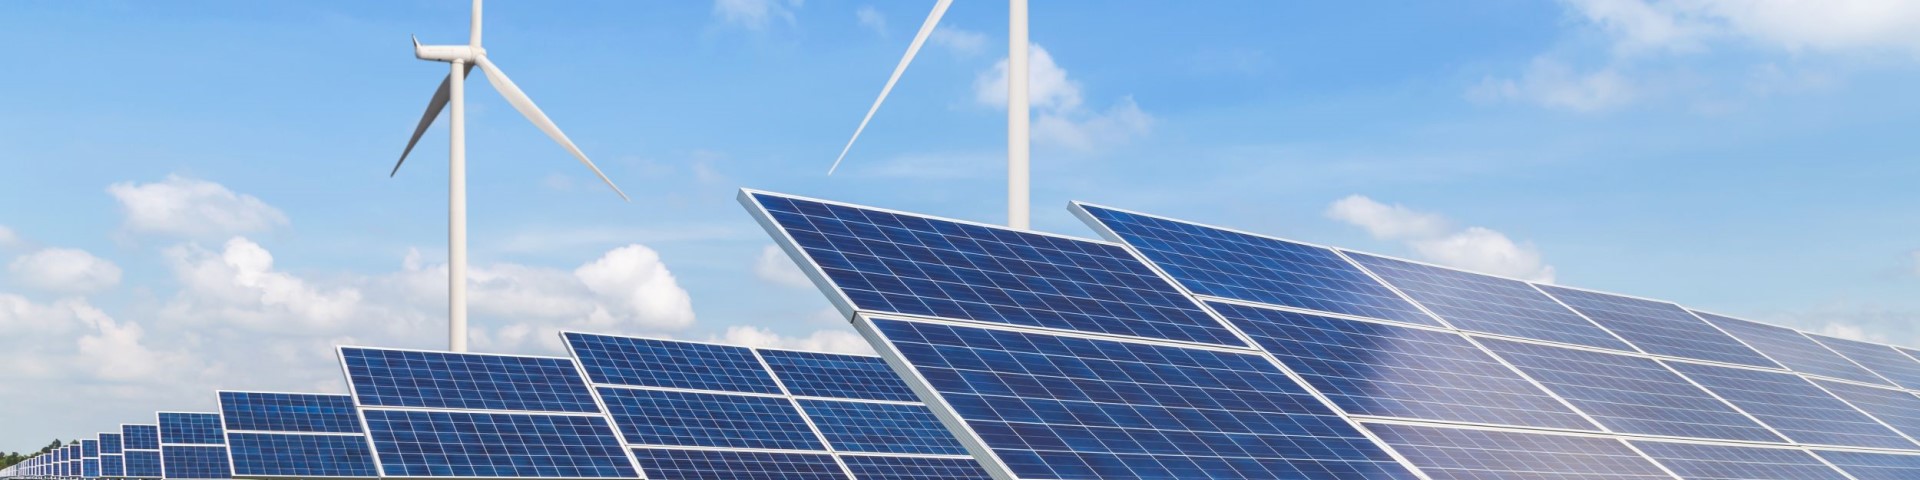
{"x": 197, "y": 192}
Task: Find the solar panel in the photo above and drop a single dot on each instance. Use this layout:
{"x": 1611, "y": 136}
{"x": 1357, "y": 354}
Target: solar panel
{"x": 1387, "y": 370}
{"x": 1874, "y": 466}
{"x": 89, "y": 448}
{"x": 1896, "y": 408}
{"x": 178, "y": 428}
{"x": 1795, "y": 351}
{"x": 881, "y": 428}
{"x": 873, "y": 467}
{"x": 1229, "y": 264}
{"x": 888, "y": 262}
{"x": 1456, "y": 453}
{"x": 140, "y": 437}
{"x": 1728, "y": 462}
{"x": 1051, "y": 406}
{"x": 112, "y": 466}
{"x": 810, "y": 374}
{"x": 1794, "y": 407}
{"x": 690, "y": 419}
{"x": 405, "y": 378}
{"x": 1629, "y": 393}
{"x": 1485, "y": 303}
{"x": 288, "y": 412}
{"x": 262, "y": 455}
{"x": 731, "y": 464}
{"x": 110, "y": 443}
{"x": 194, "y": 462}
{"x": 1889, "y": 362}
{"x": 643, "y": 362}
{"x": 90, "y": 468}
{"x": 1659, "y": 328}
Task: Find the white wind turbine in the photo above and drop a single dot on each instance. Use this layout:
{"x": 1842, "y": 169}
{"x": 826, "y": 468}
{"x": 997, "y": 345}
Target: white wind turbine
{"x": 1018, "y": 115}
{"x": 452, "y": 92}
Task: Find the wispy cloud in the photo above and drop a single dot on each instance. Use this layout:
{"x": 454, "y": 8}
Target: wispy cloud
{"x": 756, "y": 14}
{"x": 872, "y": 19}
{"x": 187, "y": 207}
{"x": 1061, "y": 118}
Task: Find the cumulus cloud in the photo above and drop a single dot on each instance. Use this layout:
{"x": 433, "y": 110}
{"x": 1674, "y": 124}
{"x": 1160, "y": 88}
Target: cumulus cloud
{"x": 871, "y": 18}
{"x": 635, "y": 289}
{"x": 64, "y": 270}
{"x": 775, "y": 266}
{"x": 755, "y": 14}
{"x": 1434, "y": 239}
{"x": 834, "y": 341}
{"x": 1060, "y": 116}
{"x": 104, "y": 349}
{"x": 187, "y": 207}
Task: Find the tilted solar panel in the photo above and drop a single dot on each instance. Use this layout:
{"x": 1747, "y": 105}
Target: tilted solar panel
{"x": 110, "y": 443}
{"x": 90, "y": 468}
{"x": 881, "y": 428}
{"x": 691, "y": 419}
{"x": 887, "y": 262}
{"x": 1874, "y": 466}
{"x": 1485, "y": 303}
{"x": 406, "y": 378}
{"x": 644, "y": 362}
{"x": 140, "y": 437}
{"x": 1795, "y": 351}
{"x": 192, "y": 446}
{"x": 177, "y": 428}
{"x": 306, "y": 456}
{"x": 1889, "y": 362}
{"x": 89, "y": 448}
{"x": 1659, "y": 328}
{"x": 1794, "y": 407}
{"x": 113, "y": 466}
{"x": 809, "y": 374}
{"x": 1728, "y": 462}
{"x": 1629, "y": 393}
{"x": 1456, "y": 453}
{"x": 1229, "y": 264}
{"x": 288, "y": 412}
{"x": 1388, "y": 370}
{"x": 732, "y": 464}
{"x": 1896, "y": 408}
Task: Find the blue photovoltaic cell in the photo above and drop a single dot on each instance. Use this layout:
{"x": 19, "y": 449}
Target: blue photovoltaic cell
{"x": 288, "y": 412}
{"x": 912, "y": 468}
{"x": 195, "y": 462}
{"x": 1630, "y": 394}
{"x": 399, "y": 378}
{"x": 140, "y": 437}
{"x": 1794, "y": 407}
{"x": 1387, "y": 370}
{"x": 89, "y": 448}
{"x": 881, "y": 428}
{"x": 1452, "y": 453}
{"x": 1874, "y": 466}
{"x": 1726, "y": 462}
{"x": 112, "y": 466}
{"x": 659, "y": 363}
{"x": 730, "y": 465}
{"x": 1795, "y": 351}
{"x": 110, "y": 443}
{"x": 191, "y": 428}
{"x": 1489, "y": 304}
{"x": 1896, "y": 408}
{"x": 415, "y": 444}
{"x": 809, "y": 374}
{"x": 1064, "y": 407}
{"x": 685, "y": 419}
{"x": 90, "y": 468}
{"x": 1659, "y": 328}
{"x": 1885, "y": 360}
{"x": 887, "y": 262}
{"x": 1222, "y": 263}
{"x": 301, "y": 456}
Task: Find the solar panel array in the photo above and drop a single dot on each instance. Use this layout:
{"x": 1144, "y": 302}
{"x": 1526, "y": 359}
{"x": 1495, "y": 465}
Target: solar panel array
{"x": 699, "y": 410}
{"x": 292, "y": 435}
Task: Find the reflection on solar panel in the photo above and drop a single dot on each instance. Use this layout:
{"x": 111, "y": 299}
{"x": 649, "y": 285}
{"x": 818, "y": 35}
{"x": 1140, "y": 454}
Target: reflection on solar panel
{"x": 1229, "y": 264}
{"x": 1795, "y": 351}
{"x": 1658, "y": 327}
{"x": 884, "y": 261}
{"x": 1454, "y": 453}
{"x": 1630, "y": 394}
{"x": 1890, "y": 363}
{"x": 1896, "y": 408}
{"x": 1874, "y": 466}
{"x": 1489, "y": 304}
{"x": 140, "y": 437}
{"x": 1386, "y": 370}
{"x": 1726, "y": 462}
{"x": 293, "y": 435}
{"x": 1794, "y": 407}
{"x": 665, "y": 404}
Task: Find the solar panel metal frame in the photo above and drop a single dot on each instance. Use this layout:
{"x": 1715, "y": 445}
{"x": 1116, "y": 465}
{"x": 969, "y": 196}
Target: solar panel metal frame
{"x": 233, "y": 465}
{"x": 360, "y": 411}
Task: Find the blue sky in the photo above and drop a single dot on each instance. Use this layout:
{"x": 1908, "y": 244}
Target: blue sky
{"x": 198, "y": 192}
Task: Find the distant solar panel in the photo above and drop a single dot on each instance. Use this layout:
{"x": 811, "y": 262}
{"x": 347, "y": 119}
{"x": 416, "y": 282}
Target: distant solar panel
{"x": 1489, "y": 304}
{"x": 288, "y": 412}
{"x": 1889, "y": 362}
{"x": 1629, "y": 393}
{"x": 89, "y": 448}
{"x": 1387, "y": 370}
{"x": 1456, "y": 453}
{"x": 1729, "y": 462}
{"x": 110, "y": 443}
{"x": 140, "y": 437}
{"x": 887, "y": 262}
{"x": 178, "y": 428}
{"x": 1229, "y": 264}
{"x": 1874, "y": 466}
{"x": 1795, "y": 351}
{"x": 643, "y": 362}
{"x": 406, "y": 378}
{"x": 1658, "y": 327}
{"x": 1897, "y": 408}
{"x": 731, "y": 464}
{"x": 809, "y": 374}
{"x": 1794, "y": 407}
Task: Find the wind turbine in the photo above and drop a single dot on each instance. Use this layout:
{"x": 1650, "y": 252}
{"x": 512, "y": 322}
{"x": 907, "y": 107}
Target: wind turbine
{"x": 1018, "y": 113}
{"x": 452, "y": 92}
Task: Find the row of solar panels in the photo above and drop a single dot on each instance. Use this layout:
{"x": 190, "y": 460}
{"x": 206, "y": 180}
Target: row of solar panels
{"x": 619, "y": 407}
{"x": 1180, "y": 350}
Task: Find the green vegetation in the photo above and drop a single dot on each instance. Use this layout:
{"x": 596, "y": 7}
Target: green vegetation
{"x": 11, "y": 458}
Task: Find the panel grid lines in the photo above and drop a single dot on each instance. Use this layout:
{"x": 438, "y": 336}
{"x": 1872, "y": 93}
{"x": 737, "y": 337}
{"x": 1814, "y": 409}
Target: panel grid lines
{"x": 288, "y": 412}
{"x": 647, "y": 362}
{"x": 1794, "y": 407}
{"x": 404, "y": 378}
{"x": 1727, "y": 462}
{"x": 424, "y": 444}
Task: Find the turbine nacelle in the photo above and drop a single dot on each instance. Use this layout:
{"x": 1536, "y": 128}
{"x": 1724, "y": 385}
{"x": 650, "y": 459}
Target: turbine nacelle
{"x": 447, "y": 53}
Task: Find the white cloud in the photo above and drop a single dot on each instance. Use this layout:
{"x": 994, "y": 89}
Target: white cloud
{"x": 635, "y": 290}
{"x": 1434, "y": 239}
{"x": 775, "y": 266}
{"x": 960, "y": 41}
{"x": 64, "y": 270}
{"x": 834, "y": 341}
{"x": 238, "y": 285}
{"x": 755, "y": 14}
{"x": 872, "y": 19}
{"x": 1553, "y": 84}
{"x": 188, "y": 207}
{"x": 1833, "y": 26}
{"x": 1060, "y": 118}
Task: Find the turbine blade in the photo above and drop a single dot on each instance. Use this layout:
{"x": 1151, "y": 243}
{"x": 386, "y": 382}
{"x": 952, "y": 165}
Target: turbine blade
{"x": 526, "y": 107}
{"x": 926, "y": 29}
{"x": 434, "y": 106}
